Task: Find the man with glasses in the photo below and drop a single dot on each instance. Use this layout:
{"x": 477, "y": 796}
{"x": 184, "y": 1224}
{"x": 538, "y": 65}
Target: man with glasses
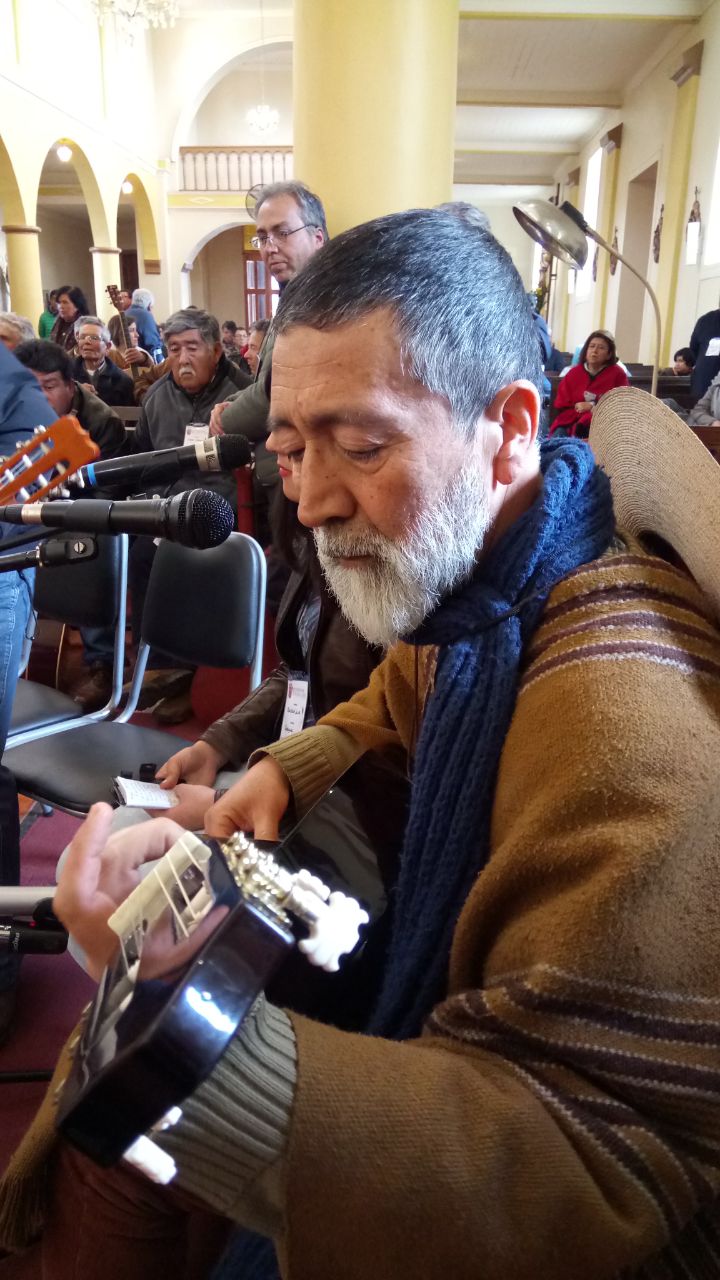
{"x": 93, "y": 369}
{"x": 291, "y": 227}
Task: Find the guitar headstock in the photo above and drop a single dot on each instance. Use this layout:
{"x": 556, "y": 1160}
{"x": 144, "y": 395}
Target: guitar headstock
{"x": 46, "y": 461}
{"x": 113, "y": 293}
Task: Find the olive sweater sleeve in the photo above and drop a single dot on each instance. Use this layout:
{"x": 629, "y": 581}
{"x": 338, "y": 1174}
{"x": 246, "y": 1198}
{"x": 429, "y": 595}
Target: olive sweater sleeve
{"x": 380, "y": 717}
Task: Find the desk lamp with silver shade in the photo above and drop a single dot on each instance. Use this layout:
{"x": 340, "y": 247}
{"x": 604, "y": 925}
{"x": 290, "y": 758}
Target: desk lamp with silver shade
{"x": 563, "y": 233}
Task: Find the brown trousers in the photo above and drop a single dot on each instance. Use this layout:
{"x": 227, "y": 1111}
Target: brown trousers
{"x": 114, "y": 1224}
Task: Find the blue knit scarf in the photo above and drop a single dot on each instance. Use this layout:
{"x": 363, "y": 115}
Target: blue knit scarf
{"x": 482, "y": 631}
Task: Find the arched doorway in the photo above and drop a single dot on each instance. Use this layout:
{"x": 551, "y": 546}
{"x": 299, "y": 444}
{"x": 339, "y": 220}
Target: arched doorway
{"x": 136, "y": 233}
{"x": 71, "y": 213}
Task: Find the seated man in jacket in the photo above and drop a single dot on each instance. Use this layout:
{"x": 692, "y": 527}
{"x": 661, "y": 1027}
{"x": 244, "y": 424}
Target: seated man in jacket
{"x": 536, "y": 1092}
{"x": 177, "y": 411}
{"x": 93, "y": 368}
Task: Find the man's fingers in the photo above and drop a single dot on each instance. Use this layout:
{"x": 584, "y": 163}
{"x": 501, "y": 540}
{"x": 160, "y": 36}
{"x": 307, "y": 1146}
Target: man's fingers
{"x": 169, "y": 773}
{"x": 223, "y": 822}
{"x": 219, "y": 824}
{"x": 81, "y": 871}
{"x": 145, "y": 842}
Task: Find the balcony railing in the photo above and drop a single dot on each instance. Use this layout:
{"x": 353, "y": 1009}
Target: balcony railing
{"x": 232, "y": 168}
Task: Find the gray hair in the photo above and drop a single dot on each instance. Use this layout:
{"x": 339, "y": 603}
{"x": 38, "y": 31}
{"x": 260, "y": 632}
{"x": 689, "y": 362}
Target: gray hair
{"x": 469, "y": 213}
{"x": 310, "y": 205}
{"x": 465, "y": 325}
{"x": 193, "y": 318}
{"x": 143, "y": 298}
{"x": 104, "y": 331}
{"x": 21, "y": 324}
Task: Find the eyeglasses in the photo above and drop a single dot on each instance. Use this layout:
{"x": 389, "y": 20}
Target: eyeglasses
{"x": 264, "y": 238}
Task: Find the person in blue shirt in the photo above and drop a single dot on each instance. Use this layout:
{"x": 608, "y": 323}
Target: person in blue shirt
{"x": 141, "y": 312}
{"x": 23, "y": 407}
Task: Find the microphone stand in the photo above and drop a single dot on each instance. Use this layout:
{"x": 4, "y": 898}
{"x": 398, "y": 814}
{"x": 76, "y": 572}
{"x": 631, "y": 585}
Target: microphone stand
{"x": 39, "y": 933}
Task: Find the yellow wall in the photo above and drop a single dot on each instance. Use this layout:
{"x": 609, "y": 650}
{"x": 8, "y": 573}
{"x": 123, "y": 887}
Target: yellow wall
{"x": 649, "y": 119}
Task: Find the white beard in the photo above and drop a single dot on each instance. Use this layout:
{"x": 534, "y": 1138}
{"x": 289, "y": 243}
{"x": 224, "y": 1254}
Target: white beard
{"x": 401, "y": 584}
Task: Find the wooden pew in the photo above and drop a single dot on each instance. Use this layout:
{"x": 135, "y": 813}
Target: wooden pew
{"x": 710, "y": 437}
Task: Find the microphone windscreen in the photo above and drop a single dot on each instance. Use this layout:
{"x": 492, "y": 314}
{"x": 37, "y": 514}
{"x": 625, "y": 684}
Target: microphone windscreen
{"x": 233, "y": 451}
{"x": 207, "y": 518}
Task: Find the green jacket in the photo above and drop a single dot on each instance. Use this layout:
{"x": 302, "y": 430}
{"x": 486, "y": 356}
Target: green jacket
{"x": 247, "y": 413}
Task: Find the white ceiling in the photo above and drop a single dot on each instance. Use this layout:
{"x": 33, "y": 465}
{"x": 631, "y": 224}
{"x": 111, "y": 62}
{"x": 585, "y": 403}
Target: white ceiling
{"x": 534, "y": 89}
{"x": 580, "y": 56}
{"x": 535, "y": 126}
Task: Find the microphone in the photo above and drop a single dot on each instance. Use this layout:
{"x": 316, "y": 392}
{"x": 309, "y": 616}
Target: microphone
{"x": 220, "y": 453}
{"x": 196, "y": 518}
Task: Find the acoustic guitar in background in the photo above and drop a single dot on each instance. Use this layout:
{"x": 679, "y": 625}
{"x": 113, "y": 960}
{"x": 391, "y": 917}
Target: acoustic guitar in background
{"x": 113, "y": 292}
{"x": 45, "y": 461}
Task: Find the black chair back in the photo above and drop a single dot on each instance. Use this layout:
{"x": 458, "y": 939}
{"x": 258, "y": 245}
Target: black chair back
{"x": 189, "y": 612}
{"x": 83, "y": 594}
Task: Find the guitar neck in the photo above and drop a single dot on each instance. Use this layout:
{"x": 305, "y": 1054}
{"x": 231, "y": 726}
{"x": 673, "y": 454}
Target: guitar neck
{"x": 126, "y": 339}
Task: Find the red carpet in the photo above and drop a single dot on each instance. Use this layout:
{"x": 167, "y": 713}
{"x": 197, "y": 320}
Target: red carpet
{"x": 53, "y": 990}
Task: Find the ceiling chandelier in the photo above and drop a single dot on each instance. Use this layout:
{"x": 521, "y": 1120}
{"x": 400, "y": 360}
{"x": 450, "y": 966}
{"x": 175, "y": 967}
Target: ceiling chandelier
{"x": 262, "y": 119}
{"x": 133, "y": 15}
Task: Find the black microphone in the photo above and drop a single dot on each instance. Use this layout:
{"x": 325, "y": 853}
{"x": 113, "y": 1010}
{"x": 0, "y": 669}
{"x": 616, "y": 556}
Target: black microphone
{"x": 220, "y": 453}
{"x": 197, "y": 518}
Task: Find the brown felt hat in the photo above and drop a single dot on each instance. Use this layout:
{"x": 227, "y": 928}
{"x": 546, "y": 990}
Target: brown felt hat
{"x": 663, "y": 479}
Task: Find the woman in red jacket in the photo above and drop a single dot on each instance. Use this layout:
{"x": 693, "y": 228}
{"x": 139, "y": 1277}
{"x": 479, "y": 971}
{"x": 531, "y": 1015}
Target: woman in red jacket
{"x": 596, "y": 372}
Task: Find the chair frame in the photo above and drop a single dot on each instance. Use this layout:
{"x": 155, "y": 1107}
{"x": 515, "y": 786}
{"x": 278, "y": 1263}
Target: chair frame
{"x": 255, "y": 667}
{"x": 22, "y": 736}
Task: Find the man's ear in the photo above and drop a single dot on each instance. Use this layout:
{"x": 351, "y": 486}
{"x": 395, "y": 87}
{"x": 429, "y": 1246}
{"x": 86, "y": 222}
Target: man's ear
{"x": 516, "y": 411}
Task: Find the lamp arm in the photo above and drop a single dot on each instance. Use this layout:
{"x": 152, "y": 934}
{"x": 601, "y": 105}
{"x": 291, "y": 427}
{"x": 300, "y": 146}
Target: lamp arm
{"x": 594, "y": 235}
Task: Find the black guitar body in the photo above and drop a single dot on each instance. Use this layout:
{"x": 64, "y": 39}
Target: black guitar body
{"x": 148, "y": 1044}
{"x": 140, "y": 1057}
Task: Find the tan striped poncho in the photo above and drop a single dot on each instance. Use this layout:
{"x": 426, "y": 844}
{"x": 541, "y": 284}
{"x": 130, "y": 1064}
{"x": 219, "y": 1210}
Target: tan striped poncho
{"x": 560, "y": 1120}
